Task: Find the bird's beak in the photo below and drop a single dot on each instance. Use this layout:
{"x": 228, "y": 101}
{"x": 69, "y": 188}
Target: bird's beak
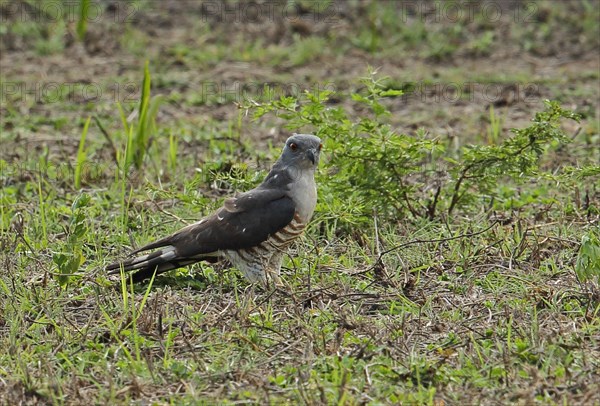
{"x": 310, "y": 154}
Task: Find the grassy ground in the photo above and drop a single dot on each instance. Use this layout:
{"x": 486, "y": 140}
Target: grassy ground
{"x": 483, "y": 304}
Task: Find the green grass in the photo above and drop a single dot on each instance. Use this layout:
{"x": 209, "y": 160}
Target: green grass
{"x": 492, "y": 302}
{"x": 433, "y": 320}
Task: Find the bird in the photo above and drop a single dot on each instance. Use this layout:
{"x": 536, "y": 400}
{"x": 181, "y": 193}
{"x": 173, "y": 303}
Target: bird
{"x": 252, "y": 230}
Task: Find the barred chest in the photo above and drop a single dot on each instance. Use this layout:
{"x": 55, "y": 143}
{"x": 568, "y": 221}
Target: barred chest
{"x": 253, "y": 261}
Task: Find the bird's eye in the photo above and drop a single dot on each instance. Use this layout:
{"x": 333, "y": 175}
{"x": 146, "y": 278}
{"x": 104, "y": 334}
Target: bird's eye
{"x": 320, "y": 147}
{"x": 293, "y": 146}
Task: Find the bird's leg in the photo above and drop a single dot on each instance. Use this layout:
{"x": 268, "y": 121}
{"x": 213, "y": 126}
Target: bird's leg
{"x": 272, "y": 270}
{"x": 272, "y": 280}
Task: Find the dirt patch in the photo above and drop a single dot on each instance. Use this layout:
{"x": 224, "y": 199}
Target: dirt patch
{"x": 212, "y": 54}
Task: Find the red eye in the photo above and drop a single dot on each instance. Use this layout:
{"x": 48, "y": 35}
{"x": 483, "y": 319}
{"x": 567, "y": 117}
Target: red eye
{"x": 320, "y": 147}
{"x": 293, "y": 146}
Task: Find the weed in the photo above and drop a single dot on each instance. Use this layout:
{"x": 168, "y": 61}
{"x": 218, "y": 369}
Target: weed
{"x": 587, "y": 266}
{"x": 517, "y": 157}
{"x": 306, "y": 49}
{"x": 483, "y": 44}
{"x": 69, "y": 257}
{"x": 138, "y": 135}
{"x": 84, "y": 8}
{"x": 81, "y": 154}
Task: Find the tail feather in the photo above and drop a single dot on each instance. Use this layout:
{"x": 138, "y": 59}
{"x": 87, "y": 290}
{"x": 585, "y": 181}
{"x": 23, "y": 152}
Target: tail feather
{"x": 157, "y": 262}
{"x": 143, "y": 261}
{"x": 146, "y": 265}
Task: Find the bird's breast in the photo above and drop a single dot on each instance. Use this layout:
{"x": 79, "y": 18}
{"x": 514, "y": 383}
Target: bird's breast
{"x": 304, "y": 194}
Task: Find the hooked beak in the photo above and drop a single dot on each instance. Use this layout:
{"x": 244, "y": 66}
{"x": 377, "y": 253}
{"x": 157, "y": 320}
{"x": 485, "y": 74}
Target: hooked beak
{"x": 310, "y": 154}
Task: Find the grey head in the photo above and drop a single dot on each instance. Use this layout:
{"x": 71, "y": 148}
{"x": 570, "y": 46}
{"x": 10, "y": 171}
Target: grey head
{"x": 300, "y": 154}
{"x": 301, "y": 151}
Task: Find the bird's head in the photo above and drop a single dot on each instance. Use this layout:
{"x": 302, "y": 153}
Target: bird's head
{"x": 301, "y": 151}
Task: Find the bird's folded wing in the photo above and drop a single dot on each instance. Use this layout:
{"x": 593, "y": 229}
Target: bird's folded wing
{"x": 243, "y": 222}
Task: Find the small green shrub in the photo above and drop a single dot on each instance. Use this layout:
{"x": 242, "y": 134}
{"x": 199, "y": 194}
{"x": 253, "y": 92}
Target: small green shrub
{"x": 482, "y": 167}
{"x": 587, "y": 267}
{"x": 137, "y": 136}
{"x": 371, "y": 168}
{"x": 368, "y": 163}
{"x": 70, "y": 257}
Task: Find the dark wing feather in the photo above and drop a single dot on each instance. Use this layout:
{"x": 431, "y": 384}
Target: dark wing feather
{"x": 243, "y": 222}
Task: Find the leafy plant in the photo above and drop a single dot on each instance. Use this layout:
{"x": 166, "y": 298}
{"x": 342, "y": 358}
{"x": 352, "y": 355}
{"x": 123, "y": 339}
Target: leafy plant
{"x": 81, "y": 154}
{"x": 138, "y": 134}
{"x": 482, "y": 45}
{"x": 148, "y": 110}
{"x": 306, "y": 49}
{"x": 70, "y": 258}
{"x": 481, "y": 167}
{"x": 172, "y": 152}
{"x": 379, "y": 170}
{"x": 495, "y": 128}
{"x": 84, "y": 7}
{"x": 587, "y": 267}
{"x": 370, "y": 160}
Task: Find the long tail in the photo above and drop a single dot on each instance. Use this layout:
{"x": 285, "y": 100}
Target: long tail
{"x": 146, "y": 265}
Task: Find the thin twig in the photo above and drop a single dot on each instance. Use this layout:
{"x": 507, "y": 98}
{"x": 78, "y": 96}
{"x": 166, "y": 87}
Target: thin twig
{"x": 170, "y": 214}
{"x": 431, "y": 207}
{"x": 377, "y": 243}
{"x": 406, "y": 244}
{"x": 108, "y": 138}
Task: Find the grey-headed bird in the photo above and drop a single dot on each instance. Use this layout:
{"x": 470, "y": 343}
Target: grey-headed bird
{"x": 252, "y": 230}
